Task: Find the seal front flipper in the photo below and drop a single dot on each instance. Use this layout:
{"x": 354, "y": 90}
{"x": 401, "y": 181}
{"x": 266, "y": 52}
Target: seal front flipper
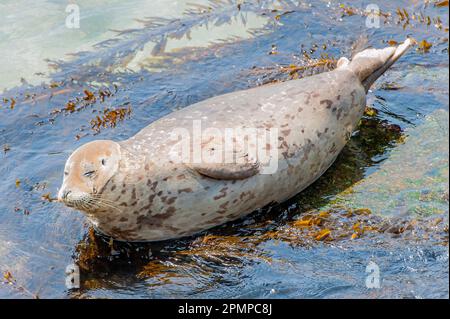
{"x": 224, "y": 161}
{"x": 227, "y": 171}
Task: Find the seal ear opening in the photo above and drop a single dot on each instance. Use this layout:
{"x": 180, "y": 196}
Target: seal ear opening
{"x": 370, "y": 64}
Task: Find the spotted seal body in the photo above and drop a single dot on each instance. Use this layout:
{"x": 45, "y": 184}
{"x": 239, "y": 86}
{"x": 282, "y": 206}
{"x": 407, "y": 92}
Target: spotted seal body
{"x": 134, "y": 190}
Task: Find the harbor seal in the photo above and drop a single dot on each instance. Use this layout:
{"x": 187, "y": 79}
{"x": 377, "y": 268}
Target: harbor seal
{"x": 165, "y": 182}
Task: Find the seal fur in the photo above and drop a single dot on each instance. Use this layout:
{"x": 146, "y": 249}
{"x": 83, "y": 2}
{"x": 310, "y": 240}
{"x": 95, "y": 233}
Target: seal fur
{"x": 133, "y": 191}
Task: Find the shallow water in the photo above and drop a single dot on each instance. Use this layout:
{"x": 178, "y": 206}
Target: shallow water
{"x": 388, "y": 190}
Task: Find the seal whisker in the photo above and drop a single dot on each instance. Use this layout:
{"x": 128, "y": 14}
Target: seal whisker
{"x": 85, "y": 205}
{"x": 79, "y": 204}
{"x": 103, "y": 200}
{"x": 99, "y": 203}
{"x": 92, "y": 205}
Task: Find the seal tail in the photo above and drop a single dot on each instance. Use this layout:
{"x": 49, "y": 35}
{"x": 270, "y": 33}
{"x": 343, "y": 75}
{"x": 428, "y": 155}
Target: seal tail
{"x": 370, "y": 64}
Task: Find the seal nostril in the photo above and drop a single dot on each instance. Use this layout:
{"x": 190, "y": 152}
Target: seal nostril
{"x": 65, "y": 194}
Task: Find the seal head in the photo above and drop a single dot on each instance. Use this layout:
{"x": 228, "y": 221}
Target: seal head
{"x": 86, "y": 173}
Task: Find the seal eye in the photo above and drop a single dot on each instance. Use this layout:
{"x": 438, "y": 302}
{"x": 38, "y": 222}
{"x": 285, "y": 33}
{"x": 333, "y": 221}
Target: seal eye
{"x": 89, "y": 174}
{"x": 66, "y": 173}
{"x": 103, "y": 162}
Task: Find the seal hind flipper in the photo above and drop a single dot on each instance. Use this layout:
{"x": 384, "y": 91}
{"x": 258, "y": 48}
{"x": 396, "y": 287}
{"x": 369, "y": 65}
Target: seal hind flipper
{"x": 227, "y": 171}
{"x": 370, "y": 64}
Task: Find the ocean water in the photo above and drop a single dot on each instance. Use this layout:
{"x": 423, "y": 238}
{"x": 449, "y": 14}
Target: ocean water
{"x": 33, "y": 32}
{"x": 384, "y": 202}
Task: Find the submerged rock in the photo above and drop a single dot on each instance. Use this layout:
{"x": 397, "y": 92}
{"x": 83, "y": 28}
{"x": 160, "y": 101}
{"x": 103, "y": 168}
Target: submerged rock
{"x": 414, "y": 178}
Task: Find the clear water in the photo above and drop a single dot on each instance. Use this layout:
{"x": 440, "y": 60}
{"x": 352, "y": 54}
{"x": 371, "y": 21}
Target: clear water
{"x": 395, "y": 181}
